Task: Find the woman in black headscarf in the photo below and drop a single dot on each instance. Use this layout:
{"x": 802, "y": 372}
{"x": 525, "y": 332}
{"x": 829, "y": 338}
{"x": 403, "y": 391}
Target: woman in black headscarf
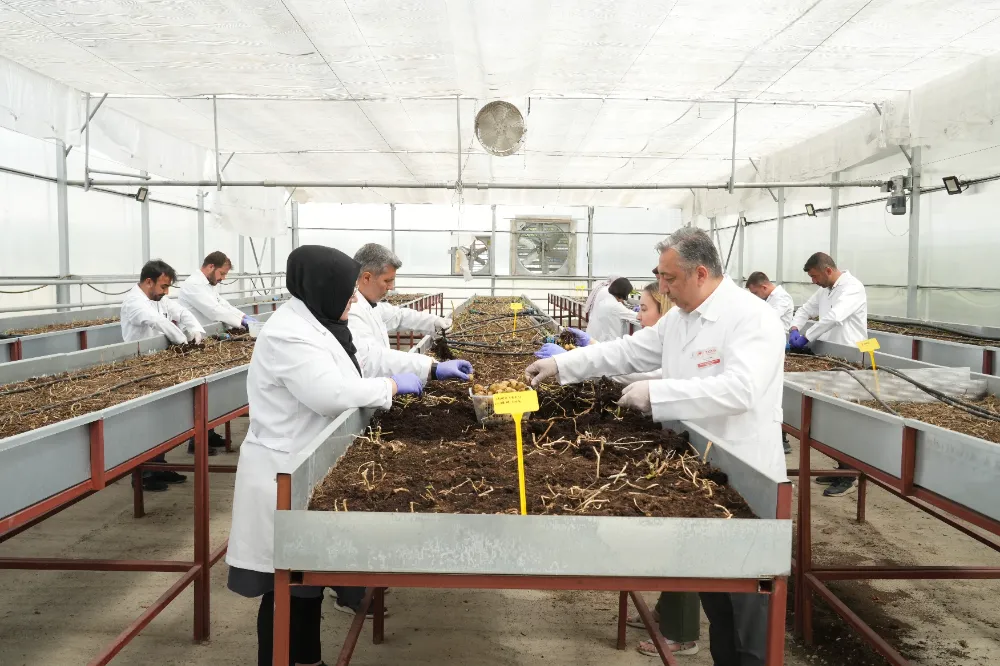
{"x": 302, "y": 376}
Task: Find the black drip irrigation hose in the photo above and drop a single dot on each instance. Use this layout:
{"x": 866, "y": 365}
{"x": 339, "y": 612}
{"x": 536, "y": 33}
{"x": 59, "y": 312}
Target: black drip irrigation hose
{"x": 974, "y": 410}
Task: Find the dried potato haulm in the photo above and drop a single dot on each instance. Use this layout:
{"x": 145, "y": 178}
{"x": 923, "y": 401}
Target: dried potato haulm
{"x": 51, "y": 328}
{"x": 918, "y": 331}
{"x": 583, "y": 456}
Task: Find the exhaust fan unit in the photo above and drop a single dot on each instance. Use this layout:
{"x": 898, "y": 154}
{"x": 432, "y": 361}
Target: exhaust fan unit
{"x": 500, "y": 128}
{"x": 543, "y": 246}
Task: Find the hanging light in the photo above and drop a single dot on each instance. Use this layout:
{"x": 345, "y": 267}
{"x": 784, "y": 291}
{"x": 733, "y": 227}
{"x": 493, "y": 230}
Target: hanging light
{"x": 952, "y": 185}
{"x": 810, "y": 210}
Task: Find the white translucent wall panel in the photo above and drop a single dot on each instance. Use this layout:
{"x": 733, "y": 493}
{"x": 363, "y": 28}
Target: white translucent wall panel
{"x": 104, "y": 234}
{"x": 223, "y": 240}
{"x": 173, "y": 237}
{"x": 425, "y": 234}
{"x": 24, "y": 153}
{"x": 873, "y": 244}
{"x": 624, "y": 240}
{"x": 28, "y": 220}
{"x": 761, "y": 253}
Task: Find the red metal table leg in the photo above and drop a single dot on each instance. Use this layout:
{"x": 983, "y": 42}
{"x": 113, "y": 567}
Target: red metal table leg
{"x": 138, "y": 506}
{"x": 862, "y": 496}
{"x": 202, "y": 582}
{"x": 666, "y": 656}
{"x": 776, "y": 622}
{"x": 229, "y": 437}
{"x": 378, "y": 619}
{"x": 622, "y": 618}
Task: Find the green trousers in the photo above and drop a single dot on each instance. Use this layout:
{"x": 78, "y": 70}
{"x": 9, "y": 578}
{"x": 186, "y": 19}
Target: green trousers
{"x": 680, "y": 616}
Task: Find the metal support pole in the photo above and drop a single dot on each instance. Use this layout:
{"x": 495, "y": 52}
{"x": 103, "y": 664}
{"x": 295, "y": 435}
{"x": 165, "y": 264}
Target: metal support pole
{"x": 779, "y": 269}
{"x": 242, "y": 264}
{"x": 590, "y": 248}
{"x": 392, "y": 227}
{"x": 144, "y": 212}
{"x": 86, "y": 150}
{"x": 215, "y": 127}
{"x": 834, "y": 218}
{"x": 62, "y": 212}
{"x": 295, "y": 224}
{"x": 274, "y": 261}
{"x": 493, "y": 251}
{"x": 713, "y": 233}
{"x": 913, "y": 263}
{"x": 741, "y": 229}
{"x": 732, "y": 166}
{"x": 201, "y": 225}
{"x": 458, "y": 123}
{"x": 86, "y": 124}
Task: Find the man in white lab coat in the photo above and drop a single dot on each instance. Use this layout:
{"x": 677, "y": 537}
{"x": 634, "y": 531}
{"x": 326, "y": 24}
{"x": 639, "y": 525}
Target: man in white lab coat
{"x": 147, "y": 312}
{"x": 371, "y": 320}
{"x": 841, "y": 304}
{"x": 774, "y": 295}
{"x": 200, "y": 294}
{"x": 722, "y": 354}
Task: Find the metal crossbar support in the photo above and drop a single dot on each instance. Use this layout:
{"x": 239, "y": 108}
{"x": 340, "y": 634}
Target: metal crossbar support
{"x": 769, "y": 190}
{"x": 86, "y": 150}
{"x": 119, "y": 173}
{"x": 242, "y": 262}
{"x": 834, "y": 218}
{"x": 493, "y": 250}
{"x": 913, "y": 261}
{"x": 86, "y": 123}
{"x": 458, "y": 123}
{"x": 295, "y": 224}
{"x": 739, "y": 259}
{"x": 392, "y": 227}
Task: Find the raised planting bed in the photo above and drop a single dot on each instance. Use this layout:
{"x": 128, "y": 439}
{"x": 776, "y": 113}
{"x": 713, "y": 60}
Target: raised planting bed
{"x": 583, "y": 456}
{"x": 63, "y": 326}
{"x": 402, "y": 299}
{"x": 483, "y": 332}
{"x": 932, "y": 332}
{"x": 810, "y": 363}
{"x": 41, "y": 401}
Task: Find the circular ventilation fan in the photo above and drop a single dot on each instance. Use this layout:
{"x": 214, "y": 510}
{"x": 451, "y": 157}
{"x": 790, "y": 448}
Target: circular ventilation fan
{"x": 500, "y": 128}
{"x": 543, "y": 249}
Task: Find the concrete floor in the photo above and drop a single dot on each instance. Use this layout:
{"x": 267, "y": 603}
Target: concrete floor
{"x": 65, "y": 618}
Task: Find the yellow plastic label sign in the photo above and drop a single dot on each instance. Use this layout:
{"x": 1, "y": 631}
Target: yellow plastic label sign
{"x": 516, "y": 307}
{"x": 580, "y": 287}
{"x": 869, "y": 345}
{"x": 518, "y": 402}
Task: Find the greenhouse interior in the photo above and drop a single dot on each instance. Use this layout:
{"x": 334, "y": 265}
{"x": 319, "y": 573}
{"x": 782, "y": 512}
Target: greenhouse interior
{"x": 525, "y": 332}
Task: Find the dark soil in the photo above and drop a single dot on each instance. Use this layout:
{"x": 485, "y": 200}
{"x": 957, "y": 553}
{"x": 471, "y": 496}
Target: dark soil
{"x": 44, "y": 400}
{"x": 582, "y": 456}
{"x": 51, "y": 328}
{"x": 810, "y": 363}
{"x": 933, "y": 333}
{"x": 952, "y": 418}
{"x": 399, "y": 299}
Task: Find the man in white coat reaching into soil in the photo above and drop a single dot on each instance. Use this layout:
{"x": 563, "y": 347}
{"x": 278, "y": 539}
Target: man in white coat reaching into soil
{"x": 722, "y": 354}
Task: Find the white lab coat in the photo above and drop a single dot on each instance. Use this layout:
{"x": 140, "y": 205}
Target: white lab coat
{"x": 142, "y": 318}
{"x": 781, "y": 301}
{"x": 300, "y": 380}
{"x": 723, "y": 367}
{"x": 371, "y": 337}
{"x": 842, "y": 311}
{"x": 205, "y": 303}
{"x": 605, "y": 323}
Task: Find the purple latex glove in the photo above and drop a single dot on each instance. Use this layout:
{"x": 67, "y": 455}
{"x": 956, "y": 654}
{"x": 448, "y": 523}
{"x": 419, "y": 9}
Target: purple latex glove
{"x": 548, "y": 350}
{"x": 797, "y": 341}
{"x": 408, "y": 383}
{"x": 247, "y": 320}
{"x": 456, "y": 369}
{"x": 635, "y": 309}
{"x": 582, "y": 339}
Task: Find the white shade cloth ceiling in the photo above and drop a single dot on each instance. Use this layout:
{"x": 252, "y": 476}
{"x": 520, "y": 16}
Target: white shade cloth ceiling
{"x": 615, "y": 92}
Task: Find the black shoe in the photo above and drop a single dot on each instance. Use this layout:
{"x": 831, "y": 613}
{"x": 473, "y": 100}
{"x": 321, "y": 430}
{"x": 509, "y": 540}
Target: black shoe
{"x": 171, "y": 477}
{"x": 842, "y": 486}
{"x": 215, "y": 440}
{"x": 152, "y": 485}
{"x": 827, "y": 480}
{"x": 211, "y": 451}
{"x": 787, "y": 447}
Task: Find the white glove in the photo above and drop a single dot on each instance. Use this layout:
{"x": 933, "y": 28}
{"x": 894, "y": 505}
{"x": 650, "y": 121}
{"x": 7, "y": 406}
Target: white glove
{"x": 198, "y": 337}
{"x": 442, "y": 323}
{"x": 636, "y": 396}
{"x": 539, "y": 371}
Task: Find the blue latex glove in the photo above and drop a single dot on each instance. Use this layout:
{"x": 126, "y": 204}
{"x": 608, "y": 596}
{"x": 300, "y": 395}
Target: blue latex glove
{"x": 247, "y": 320}
{"x": 635, "y": 309}
{"x": 408, "y": 383}
{"x": 453, "y": 370}
{"x": 797, "y": 341}
{"x": 582, "y": 339}
{"x": 548, "y": 350}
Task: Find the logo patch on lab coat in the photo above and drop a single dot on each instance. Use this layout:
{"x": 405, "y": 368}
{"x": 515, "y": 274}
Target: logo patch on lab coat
{"x": 707, "y": 357}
